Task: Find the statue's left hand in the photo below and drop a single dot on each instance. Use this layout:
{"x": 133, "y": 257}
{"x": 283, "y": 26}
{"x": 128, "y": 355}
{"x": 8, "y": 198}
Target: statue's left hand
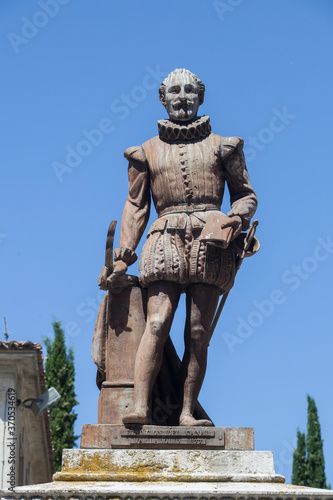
{"x": 235, "y": 222}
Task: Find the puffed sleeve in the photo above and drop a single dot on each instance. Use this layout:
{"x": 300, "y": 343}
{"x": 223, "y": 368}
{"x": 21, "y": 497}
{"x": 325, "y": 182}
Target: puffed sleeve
{"x": 243, "y": 200}
{"x": 137, "y": 207}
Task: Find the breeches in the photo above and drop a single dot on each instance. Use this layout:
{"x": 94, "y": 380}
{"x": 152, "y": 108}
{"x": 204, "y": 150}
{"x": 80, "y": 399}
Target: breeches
{"x": 180, "y": 256}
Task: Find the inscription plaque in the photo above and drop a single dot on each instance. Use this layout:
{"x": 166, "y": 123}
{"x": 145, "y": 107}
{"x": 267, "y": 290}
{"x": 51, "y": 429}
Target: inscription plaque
{"x": 168, "y": 437}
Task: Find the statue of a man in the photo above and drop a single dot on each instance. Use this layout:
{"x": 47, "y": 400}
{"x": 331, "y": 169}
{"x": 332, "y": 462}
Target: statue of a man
{"x": 184, "y": 169}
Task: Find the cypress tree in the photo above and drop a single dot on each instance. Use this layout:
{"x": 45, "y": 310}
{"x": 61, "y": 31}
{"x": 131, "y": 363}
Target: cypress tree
{"x": 315, "y": 454}
{"x": 308, "y": 457}
{"x": 60, "y": 374}
{"x": 299, "y": 475}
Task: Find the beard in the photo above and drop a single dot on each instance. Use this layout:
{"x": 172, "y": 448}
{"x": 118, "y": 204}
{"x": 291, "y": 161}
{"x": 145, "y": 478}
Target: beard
{"x": 182, "y": 113}
{"x": 184, "y": 110}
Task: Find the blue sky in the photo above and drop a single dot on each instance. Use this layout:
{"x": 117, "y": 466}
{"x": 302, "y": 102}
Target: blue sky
{"x": 72, "y": 67}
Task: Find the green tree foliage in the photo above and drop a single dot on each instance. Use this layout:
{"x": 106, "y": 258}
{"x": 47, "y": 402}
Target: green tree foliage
{"x": 315, "y": 454}
{"x": 60, "y": 373}
{"x": 308, "y": 458}
{"x": 299, "y": 475}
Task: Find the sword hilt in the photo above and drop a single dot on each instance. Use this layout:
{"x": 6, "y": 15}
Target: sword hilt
{"x": 249, "y": 237}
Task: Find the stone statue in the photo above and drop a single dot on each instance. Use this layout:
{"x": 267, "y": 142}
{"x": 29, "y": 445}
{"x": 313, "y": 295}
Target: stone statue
{"x": 192, "y": 247}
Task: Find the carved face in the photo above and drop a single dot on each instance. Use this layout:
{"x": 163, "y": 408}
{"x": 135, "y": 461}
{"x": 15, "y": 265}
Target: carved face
{"x": 182, "y": 98}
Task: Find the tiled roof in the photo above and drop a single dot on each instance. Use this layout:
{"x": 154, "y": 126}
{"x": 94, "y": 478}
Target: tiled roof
{"x": 14, "y": 345}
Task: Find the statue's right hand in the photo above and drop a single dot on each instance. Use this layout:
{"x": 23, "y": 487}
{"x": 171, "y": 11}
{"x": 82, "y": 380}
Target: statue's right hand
{"x": 102, "y": 279}
{"x": 119, "y": 268}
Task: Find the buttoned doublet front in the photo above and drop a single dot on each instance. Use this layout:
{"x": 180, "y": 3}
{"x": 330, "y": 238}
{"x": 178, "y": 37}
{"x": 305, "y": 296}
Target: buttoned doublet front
{"x": 184, "y": 169}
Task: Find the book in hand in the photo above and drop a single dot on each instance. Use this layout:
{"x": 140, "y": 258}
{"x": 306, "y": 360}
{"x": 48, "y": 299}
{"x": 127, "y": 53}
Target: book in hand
{"x": 214, "y": 231}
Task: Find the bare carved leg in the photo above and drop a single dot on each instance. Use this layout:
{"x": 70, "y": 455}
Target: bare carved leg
{"x": 163, "y": 298}
{"x": 202, "y": 300}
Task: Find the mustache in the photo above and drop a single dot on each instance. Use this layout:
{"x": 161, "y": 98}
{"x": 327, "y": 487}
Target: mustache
{"x": 181, "y": 104}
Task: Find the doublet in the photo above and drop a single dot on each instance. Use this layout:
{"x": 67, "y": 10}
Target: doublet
{"x": 185, "y": 170}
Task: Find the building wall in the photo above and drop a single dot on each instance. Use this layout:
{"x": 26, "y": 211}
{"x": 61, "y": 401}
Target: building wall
{"x": 25, "y": 453}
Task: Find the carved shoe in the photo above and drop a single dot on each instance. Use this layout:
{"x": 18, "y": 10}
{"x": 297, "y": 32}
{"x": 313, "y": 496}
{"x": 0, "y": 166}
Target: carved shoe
{"x": 136, "y": 418}
{"x": 189, "y": 421}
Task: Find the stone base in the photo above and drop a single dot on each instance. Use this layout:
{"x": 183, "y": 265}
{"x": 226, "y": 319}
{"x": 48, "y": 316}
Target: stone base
{"x": 115, "y": 401}
{"x": 166, "y": 491}
{"x": 166, "y": 475}
{"x": 98, "y": 436}
{"x": 184, "y": 466}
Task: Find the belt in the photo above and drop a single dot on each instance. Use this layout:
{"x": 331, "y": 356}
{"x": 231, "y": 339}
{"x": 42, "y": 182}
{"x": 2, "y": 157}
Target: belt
{"x": 202, "y": 207}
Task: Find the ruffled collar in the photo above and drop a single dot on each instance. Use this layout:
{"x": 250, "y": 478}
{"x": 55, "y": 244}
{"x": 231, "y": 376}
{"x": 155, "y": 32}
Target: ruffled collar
{"x": 170, "y": 131}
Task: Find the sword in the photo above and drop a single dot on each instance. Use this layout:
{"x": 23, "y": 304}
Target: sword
{"x": 109, "y": 248}
{"x": 123, "y": 280}
{"x": 247, "y": 242}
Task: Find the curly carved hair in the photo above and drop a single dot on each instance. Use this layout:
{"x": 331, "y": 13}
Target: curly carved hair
{"x": 195, "y": 78}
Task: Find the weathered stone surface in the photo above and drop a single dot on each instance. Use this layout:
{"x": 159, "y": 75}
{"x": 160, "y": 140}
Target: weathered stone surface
{"x": 166, "y": 491}
{"x": 109, "y": 436}
{"x": 166, "y": 475}
{"x": 118, "y": 331}
{"x": 167, "y": 465}
{"x": 114, "y": 400}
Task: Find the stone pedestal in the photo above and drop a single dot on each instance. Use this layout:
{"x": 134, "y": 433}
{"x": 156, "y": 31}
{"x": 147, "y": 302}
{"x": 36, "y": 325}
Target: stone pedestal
{"x": 209, "y": 473}
{"x": 115, "y": 345}
{"x": 166, "y": 491}
{"x": 115, "y": 400}
{"x": 204, "y": 470}
{"x": 119, "y": 474}
{"x": 186, "y": 466}
{"x": 96, "y": 436}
